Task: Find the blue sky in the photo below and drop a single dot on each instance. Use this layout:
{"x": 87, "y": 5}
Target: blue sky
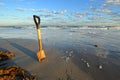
{"x": 60, "y": 12}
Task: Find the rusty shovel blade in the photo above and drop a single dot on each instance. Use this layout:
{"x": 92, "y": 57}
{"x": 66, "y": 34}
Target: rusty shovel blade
{"x": 41, "y": 55}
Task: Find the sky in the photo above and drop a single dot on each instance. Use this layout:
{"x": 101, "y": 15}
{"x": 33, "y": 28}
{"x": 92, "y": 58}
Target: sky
{"x": 60, "y": 12}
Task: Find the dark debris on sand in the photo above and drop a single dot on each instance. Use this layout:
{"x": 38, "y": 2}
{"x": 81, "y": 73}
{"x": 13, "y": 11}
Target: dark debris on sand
{"x": 12, "y": 72}
{"x": 6, "y": 55}
{"x": 95, "y": 45}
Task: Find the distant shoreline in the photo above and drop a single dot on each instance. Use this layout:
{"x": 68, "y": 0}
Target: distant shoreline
{"x": 63, "y": 27}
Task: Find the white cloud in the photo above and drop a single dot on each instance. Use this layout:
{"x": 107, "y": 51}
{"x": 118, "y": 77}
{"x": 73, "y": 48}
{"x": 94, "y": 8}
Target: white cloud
{"x": 1, "y": 3}
{"x": 20, "y": 9}
{"x": 104, "y": 10}
{"x": 101, "y": 10}
{"x": 59, "y": 12}
{"x": 97, "y": 17}
{"x": 79, "y": 14}
{"x": 46, "y": 15}
{"x": 105, "y": 5}
{"x": 113, "y": 2}
{"x": 115, "y": 17}
{"x": 92, "y": 8}
{"x": 39, "y": 10}
{"x": 92, "y": 18}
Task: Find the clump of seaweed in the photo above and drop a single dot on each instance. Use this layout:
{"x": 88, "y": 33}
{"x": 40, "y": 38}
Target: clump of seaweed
{"x": 13, "y": 72}
{"x": 6, "y": 55}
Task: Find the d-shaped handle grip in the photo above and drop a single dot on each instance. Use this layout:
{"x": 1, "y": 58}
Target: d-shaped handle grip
{"x": 37, "y": 21}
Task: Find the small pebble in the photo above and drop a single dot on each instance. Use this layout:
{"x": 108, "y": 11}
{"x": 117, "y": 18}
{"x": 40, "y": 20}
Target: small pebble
{"x": 96, "y": 45}
{"x": 100, "y": 67}
{"x": 88, "y": 65}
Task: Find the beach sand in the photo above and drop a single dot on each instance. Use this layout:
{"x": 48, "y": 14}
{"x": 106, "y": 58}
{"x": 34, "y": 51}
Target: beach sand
{"x": 63, "y": 62}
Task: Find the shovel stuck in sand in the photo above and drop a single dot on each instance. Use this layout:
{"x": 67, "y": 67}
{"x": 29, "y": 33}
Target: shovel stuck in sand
{"x": 40, "y": 53}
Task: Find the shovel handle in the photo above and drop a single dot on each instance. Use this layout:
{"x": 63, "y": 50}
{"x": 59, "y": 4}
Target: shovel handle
{"x": 37, "y": 21}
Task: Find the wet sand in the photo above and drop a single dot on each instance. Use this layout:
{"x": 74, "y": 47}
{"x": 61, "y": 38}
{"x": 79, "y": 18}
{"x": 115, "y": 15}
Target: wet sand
{"x": 64, "y": 61}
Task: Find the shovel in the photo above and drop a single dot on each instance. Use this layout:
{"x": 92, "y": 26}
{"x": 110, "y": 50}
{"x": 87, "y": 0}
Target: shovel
{"x": 40, "y": 54}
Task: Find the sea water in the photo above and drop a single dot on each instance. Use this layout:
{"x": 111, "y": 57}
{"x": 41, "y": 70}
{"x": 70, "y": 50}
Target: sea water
{"x": 87, "y": 36}
{"x": 107, "y": 38}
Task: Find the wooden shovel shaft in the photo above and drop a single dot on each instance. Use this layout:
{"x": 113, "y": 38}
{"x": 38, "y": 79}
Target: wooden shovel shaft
{"x": 37, "y": 22}
{"x": 39, "y": 39}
